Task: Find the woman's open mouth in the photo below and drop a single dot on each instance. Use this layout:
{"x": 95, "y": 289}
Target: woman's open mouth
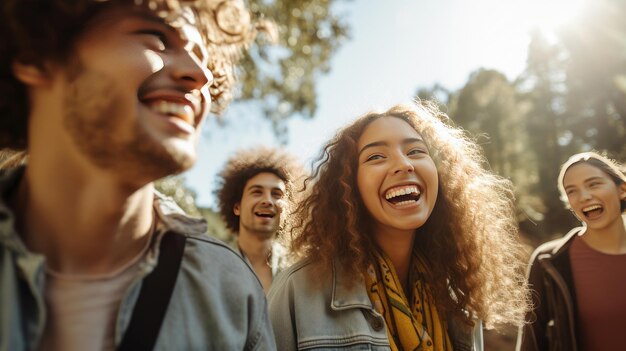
{"x": 403, "y": 195}
{"x": 593, "y": 211}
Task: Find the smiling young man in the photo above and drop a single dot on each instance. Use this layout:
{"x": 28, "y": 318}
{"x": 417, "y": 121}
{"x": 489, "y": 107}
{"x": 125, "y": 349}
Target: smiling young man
{"x": 106, "y": 97}
{"x": 579, "y": 280}
{"x": 255, "y": 188}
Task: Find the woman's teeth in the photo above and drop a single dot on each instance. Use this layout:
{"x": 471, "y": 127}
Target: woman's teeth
{"x": 593, "y": 210}
{"x": 402, "y": 191}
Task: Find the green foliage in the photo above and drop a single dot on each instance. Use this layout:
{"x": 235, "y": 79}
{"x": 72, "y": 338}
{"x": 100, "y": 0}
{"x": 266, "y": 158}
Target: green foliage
{"x": 284, "y": 75}
{"x": 216, "y": 226}
{"x": 542, "y": 87}
{"x": 489, "y": 108}
{"x": 174, "y": 187}
{"x": 570, "y": 98}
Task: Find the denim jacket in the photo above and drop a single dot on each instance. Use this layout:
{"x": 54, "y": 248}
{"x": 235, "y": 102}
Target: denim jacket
{"x": 322, "y": 313}
{"x": 217, "y": 302}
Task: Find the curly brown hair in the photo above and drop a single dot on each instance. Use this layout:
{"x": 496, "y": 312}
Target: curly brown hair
{"x": 470, "y": 239}
{"x": 244, "y": 165}
{"x": 44, "y": 31}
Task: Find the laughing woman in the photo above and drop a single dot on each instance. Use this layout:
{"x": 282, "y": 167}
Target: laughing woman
{"x": 578, "y": 281}
{"x": 404, "y": 242}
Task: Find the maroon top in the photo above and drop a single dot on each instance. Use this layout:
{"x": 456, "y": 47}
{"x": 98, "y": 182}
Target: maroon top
{"x": 600, "y": 283}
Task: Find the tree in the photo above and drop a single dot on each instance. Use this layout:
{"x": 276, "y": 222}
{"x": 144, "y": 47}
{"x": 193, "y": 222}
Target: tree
{"x": 542, "y": 87}
{"x": 283, "y": 77}
{"x": 596, "y": 77}
{"x": 488, "y": 107}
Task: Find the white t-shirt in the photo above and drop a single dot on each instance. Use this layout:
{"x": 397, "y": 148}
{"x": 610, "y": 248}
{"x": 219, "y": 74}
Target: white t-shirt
{"x": 82, "y": 309}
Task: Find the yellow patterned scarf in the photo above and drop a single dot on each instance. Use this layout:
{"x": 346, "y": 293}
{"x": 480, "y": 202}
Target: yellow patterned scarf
{"x": 417, "y": 326}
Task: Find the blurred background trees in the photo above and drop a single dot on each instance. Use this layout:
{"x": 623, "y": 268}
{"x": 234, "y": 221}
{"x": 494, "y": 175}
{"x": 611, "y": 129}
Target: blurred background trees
{"x": 175, "y": 187}
{"x": 570, "y": 98}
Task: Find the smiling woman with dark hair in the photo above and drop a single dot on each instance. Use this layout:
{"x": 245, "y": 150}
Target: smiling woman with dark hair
{"x": 579, "y": 280}
{"x": 404, "y": 242}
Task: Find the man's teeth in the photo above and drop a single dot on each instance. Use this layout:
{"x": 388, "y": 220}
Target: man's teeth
{"x": 402, "y": 191}
{"x": 183, "y": 111}
{"x": 591, "y": 208}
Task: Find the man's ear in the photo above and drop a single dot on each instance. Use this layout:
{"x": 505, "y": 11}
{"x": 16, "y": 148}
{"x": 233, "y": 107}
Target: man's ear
{"x": 236, "y": 210}
{"x": 30, "y": 74}
{"x": 622, "y": 191}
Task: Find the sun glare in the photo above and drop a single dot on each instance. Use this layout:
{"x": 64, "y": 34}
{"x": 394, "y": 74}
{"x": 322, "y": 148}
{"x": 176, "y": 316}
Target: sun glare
{"x": 549, "y": 15}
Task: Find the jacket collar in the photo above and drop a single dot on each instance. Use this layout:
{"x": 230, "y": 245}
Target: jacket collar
{"x": 277, "y": 255}
{"x": 169, "y": 216}
{"x": 8, "y": 237}
{"x": 346, "y": 296}
{"x": 355, "y": 296}
{"x": 172, "y": 218}
{"x": 562, "y": 244}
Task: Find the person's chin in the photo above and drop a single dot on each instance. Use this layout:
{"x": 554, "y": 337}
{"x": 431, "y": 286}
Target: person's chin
{"x": 170, "y": 161}
{"x": 182, "y": 152}
{"x": 183, "y": 163}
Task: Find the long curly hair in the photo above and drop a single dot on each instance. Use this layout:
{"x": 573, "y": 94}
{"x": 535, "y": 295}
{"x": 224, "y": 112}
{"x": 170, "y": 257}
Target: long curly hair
{"x": 470, "y": 239}
{"x": 43, "y": 31}
{"x": 244, "y": 165}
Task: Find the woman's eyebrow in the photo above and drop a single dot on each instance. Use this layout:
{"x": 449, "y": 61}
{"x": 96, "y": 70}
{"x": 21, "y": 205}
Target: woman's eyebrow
{"x": 374, "y": 144}
{"x": 592, "y": 178}
{"x": 568, "y": 187}
{"x": 585, "y": 181}
{"x": 413, "y": 140}
{"x": 384, "y": 143}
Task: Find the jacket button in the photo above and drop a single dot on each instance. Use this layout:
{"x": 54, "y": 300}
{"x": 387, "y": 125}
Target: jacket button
{"x": 377, "y": 323}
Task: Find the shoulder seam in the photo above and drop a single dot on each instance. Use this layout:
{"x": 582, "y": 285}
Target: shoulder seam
{"x": 216, "y": 242}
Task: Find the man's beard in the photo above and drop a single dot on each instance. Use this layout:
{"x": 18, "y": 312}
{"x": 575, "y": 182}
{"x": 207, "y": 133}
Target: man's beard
{"x": 261, "y": 231}
{"x": 94, "y": 118}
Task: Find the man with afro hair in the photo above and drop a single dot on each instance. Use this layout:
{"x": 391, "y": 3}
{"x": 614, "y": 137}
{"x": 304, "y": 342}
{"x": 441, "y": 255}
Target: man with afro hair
{"x": 255, "y": 191}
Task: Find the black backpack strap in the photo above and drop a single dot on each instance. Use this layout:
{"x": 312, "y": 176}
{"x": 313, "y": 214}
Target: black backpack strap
{"x": 154, "y": 296}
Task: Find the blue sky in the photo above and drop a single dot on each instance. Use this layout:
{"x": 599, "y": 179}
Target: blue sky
{"x": 395, "y": 47}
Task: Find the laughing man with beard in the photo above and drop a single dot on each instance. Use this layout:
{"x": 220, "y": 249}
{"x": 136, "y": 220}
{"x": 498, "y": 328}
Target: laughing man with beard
{"x": 107, "y": 96}
{"x": 255, "y": 190}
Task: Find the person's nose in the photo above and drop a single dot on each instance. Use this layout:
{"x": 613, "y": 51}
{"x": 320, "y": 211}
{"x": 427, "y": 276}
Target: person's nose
{"x": 188, "y": 70}
{"x": 585, "y": 195}
{"x": 402, "y": 163}
{"x": 267, "y": 200}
